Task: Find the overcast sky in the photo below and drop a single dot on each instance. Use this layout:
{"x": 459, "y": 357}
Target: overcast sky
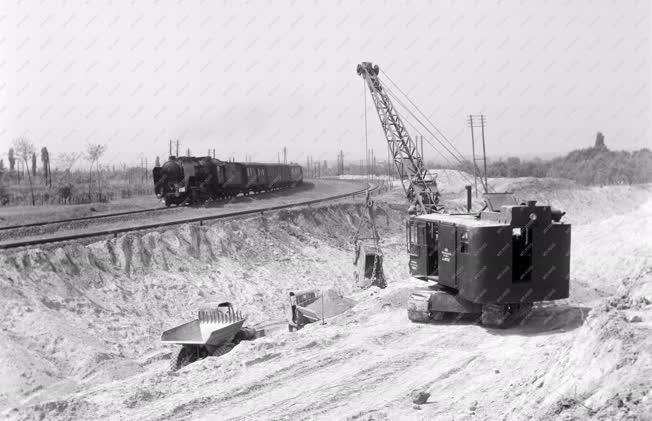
{"x": 248, "y": 78}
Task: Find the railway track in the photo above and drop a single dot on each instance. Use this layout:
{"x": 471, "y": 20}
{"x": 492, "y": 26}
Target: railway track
{"x": 82, "y": 218}
{"x": 13, "y": 244}
{"x": 96, "y": 217}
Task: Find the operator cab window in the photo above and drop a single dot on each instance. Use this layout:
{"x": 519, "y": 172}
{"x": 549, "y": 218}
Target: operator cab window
{"x": 464, "y": 242}
{"x": 412, "y": 238}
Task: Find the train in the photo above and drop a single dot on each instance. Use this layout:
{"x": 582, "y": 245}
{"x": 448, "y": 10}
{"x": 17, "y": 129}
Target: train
{"x": 188, "y": 180}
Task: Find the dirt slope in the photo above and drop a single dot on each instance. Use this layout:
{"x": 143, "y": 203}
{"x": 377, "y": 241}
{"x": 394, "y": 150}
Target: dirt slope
{"x": 85, "y": 323}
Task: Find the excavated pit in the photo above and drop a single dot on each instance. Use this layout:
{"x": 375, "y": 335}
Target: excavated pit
{"x": 83, "y": 309}
{"x": 81, "y": 326}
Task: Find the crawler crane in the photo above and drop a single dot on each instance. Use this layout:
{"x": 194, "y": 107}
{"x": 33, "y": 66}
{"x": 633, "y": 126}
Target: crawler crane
{"x": 495, "y": 263}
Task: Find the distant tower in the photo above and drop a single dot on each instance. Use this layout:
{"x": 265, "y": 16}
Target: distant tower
{"x": 599, "y": 140}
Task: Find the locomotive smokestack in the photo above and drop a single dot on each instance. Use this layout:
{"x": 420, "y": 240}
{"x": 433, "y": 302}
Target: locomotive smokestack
{"x": 468, "y": 198}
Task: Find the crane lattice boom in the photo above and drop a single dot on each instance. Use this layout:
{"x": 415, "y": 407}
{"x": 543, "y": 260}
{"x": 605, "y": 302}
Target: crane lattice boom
{"x": 419, "y": 186}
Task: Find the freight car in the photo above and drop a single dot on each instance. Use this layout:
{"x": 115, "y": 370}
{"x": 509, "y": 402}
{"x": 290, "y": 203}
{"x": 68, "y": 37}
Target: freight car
{"x": 194, "y": 180}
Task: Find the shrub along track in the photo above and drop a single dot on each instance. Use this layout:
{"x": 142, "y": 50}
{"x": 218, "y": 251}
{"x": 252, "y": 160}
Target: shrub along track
{"x": 18, "y": 238}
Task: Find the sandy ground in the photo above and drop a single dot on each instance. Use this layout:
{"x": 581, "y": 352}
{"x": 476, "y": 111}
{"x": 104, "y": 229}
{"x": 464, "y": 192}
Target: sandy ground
{"x": 79, "y": 338}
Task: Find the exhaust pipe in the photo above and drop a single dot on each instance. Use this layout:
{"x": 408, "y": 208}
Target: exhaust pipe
{"x": 468, "y": 198}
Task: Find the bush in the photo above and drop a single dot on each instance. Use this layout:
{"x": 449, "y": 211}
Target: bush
{"x": 592, "y": 166}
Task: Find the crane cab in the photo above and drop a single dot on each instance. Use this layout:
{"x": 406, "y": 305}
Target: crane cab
{"x": 508, "y": 253}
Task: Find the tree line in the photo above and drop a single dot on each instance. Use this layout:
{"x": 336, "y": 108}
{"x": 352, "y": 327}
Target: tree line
{"x": 597, "y": 165}
{"x": 22, "y": 160}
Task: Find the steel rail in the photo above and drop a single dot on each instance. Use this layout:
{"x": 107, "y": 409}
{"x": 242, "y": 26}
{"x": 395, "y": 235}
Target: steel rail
{"x": 81, "y": 218}
{"x": 200, "y": 219}
{"x": 106, "y": 215}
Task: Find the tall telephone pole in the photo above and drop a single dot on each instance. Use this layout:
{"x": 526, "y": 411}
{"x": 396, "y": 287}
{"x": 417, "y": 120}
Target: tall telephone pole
{"x": 340, "y": 163}
{"x": 475, "y": 121}
{"x": 285, "y": 155}
{"x": 389, "y": 168}
{"x": 177, "y": 147}
{"x": 422, "y": 156}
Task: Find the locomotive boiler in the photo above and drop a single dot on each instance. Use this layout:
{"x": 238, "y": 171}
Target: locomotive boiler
{"x": 194, "y": 180}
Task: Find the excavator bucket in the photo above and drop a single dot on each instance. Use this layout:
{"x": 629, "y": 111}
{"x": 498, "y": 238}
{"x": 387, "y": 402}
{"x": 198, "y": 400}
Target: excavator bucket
{"x": 312, "y": 307}
{"x": 369, "y": 270}
{"x": 214, "y": 326}
{"x": 368, "y": 256}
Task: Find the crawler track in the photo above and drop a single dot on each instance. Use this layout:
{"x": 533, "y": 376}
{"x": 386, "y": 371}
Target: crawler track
{"x": 12, "y": 244}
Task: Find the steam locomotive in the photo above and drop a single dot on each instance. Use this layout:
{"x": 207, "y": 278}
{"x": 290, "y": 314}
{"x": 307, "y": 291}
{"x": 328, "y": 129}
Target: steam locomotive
{"x": 193, "y": 180}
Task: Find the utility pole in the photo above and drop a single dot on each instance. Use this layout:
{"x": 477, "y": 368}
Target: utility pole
{"x": 366, "y": 164}
{"x": 389, "y": 169}
{"x": 285, "y": 155}
{"x": 473, "y": 123}
{"x": 475, "y": 173}
{"x": 422, "y": 156}
{"x": 338, "y": 163}
{"x": 188, "y": 154}
{"x": 177, "y": 148}
{"x": 170, "y": 148}
{"x": 484, "y": 153}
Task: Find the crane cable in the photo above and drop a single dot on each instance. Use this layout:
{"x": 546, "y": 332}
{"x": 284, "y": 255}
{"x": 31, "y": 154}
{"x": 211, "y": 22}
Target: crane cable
{"x": 393, "y": 96}
{"x": 460, "y": 162}
{"x": 366, "y": 139}
{"x": 396, "y": 98}
{"x": 460, "y": 158}
{"x": 424, "y": 115}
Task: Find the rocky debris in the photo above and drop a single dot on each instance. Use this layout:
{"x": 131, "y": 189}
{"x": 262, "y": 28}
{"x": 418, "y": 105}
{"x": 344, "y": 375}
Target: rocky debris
{"x": 419, "y": 397}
